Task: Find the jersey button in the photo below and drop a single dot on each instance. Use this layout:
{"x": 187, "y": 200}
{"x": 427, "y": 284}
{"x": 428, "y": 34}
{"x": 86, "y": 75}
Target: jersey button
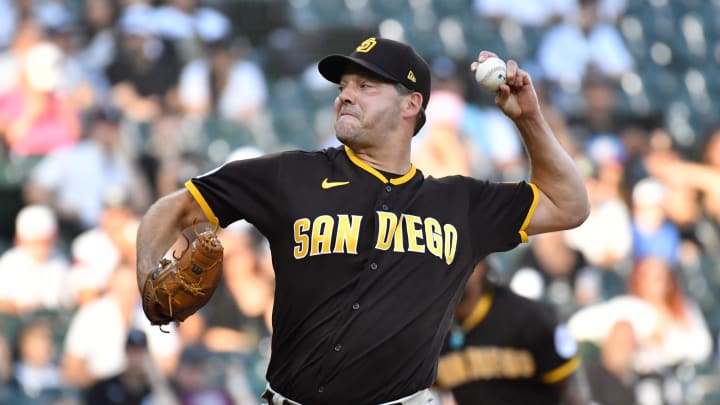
{"x": 385, "y": 207}
{"x": 356, "y": 306}
{"x": 337, "y": 347}
{"x": 373, "y": 266}
{"x": 388, "y": 188}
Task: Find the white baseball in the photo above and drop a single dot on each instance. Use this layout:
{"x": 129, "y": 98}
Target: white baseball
{"x": 491, "y": 73}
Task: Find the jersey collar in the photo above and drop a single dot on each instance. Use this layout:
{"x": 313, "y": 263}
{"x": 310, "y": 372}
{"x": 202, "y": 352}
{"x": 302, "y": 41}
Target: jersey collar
{"x": 394, "y": 181}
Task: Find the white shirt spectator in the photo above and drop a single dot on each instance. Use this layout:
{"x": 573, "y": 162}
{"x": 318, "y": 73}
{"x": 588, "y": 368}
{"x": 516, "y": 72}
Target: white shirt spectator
{"x": 607, "y": 233}
{"x": 31, "y": 284}
{"x": 691, "y": 342}
{"x": 245, "y": 78}
{"x": 98, "y": 334}
{"x": 566, "y": 52}
{"x": 81, "y": 176}
{"x": 532, "y": 12}
{"x": 34, "y": 274}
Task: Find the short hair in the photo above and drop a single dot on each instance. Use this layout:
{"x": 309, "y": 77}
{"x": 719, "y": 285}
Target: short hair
{"x": 420, "y": 119}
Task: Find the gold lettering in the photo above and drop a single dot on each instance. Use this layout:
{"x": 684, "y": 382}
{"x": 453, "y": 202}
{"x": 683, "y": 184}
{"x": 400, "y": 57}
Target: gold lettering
{"x": 452, "y": 370}
{"x": 301, "y": 239}
{"x": 399, "y": 237}
{"x": 322, "y": 230}
{"x": 414, "y": 234}
{"x": 387, "y": 224}
{"x": 433, "y": 234}
{"x": 484, "y": 363}
{"x": 527, "y": 364}
{"x": 451, "y": 239}
{"x": 508, "y": 363}
{"x": 348, "y": 234}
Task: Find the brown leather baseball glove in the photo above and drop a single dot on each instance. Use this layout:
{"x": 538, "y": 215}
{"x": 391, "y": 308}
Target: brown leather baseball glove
{"x": 179, "y": 287}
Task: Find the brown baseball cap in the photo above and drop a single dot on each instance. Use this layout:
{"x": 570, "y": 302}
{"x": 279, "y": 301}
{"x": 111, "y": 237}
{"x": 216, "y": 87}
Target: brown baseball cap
{"x": 395, "y": 61}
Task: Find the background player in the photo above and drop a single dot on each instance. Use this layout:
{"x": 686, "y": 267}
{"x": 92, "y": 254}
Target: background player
{"x": 370, "y": 257}
{"x": 506, "y": 349}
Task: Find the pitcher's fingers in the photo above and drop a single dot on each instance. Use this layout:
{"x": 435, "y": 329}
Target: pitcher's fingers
{"x": 511, "y": 72}
{"x": 485, "y": 54}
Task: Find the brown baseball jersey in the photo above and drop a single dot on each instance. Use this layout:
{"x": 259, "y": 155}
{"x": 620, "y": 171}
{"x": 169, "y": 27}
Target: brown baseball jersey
{"x": 369, "y": 265}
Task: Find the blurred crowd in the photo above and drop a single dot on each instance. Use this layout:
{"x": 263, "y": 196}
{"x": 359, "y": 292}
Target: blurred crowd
{"x": 106, "y": 105}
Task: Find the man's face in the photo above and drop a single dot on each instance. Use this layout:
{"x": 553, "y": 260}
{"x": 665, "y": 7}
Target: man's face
{"x": 366, "y": 109}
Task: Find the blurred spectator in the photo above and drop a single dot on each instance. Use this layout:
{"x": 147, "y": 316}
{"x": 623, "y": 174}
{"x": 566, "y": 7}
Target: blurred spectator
{"x": 95, "y": 341}
{"x": 532, "y": 13}
{"x": 493, "y": 137}
{"x": 209, "y": 85}
{"x": 567, "y": 51}
{"x": 34, "y": 271}
{"x": 9, "y": 21}
{"x": 125, "y": 239}
{"x": 440, "y": 149}
{"x": 193, "y": 380}
{"x": 133, "y": 385}
{"x": 605, "y": 238}
{"x": 36, "y": 369}
{"x": 6, "y": 360}
{"x": 461, "y": 137}
{"x": 682, "y": 334}
{"x": 95, "y": 258}
{"x": 145, "y": 69}
{"x": 35, "y": 117}
{"x": 188, "y": 24}
{"x": 548, "y": 270}
{"x": 98, "y": 251}
{"x": 76, "y": 181}
{"x": 171, "y": 154}
{"x": 669, "y": 326}
{"x": 711, "y": 151}
{"x": 611, "y": 376}
{"x": 235, "y": 316}
{"x": 97, "y": 46}
{"x": 698, "y": 179}
{"x": 98, "y": 23}
{"x": 597, "y": 115}
{"x": 653, "y": 233}
{"x": 61, "y": 29}
{"x": 29, "y": 33}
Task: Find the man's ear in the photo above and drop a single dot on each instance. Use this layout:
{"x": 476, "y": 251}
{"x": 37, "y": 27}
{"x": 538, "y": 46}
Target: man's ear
{"x": 412, "y": 104}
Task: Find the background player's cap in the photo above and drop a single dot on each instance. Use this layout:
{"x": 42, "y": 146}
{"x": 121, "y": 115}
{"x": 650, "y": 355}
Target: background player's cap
{"x": 392, "y": 60}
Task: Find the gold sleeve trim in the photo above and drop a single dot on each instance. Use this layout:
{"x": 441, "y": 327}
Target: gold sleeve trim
{"x": 562, "y": 372}
{"x": 531, "y": 211}
{"x": 203, "y": 204}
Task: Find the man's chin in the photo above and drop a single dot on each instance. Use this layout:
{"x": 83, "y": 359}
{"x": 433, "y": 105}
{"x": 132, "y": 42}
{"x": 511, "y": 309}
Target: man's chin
{"x": 344, "y": 132}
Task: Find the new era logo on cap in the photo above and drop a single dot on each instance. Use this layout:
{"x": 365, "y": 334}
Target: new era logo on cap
{"x": 392, "y": 60}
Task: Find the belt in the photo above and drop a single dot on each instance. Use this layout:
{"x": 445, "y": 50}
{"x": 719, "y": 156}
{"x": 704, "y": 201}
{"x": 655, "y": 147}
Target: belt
{"x": 421, "y": 397}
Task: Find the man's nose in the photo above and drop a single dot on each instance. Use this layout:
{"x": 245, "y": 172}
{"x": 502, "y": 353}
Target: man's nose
{"x": 347, "y": 95}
